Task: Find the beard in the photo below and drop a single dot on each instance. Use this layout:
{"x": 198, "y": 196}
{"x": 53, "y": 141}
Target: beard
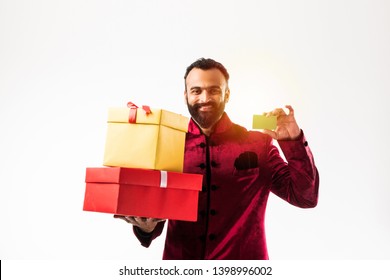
{"x": 209, "y": 118}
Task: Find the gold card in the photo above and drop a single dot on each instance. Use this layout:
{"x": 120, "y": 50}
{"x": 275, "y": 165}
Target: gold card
{"x": 263, "y": 122}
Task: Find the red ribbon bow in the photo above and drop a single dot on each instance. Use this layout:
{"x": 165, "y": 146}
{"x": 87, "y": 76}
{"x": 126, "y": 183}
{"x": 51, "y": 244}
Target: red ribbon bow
{"x": 133, "y": 111}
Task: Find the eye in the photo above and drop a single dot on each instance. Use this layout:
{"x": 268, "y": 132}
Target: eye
{"x": 215, "y": 91}
{"x": 196, "y": 91}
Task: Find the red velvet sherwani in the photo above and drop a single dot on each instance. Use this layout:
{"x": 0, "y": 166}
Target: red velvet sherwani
{"x": 240, "y": 170}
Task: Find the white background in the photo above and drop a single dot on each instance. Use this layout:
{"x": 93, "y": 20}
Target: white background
{"x": 63, "y": 63}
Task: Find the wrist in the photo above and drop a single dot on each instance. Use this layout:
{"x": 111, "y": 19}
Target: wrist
{"x": 298, "y": 136}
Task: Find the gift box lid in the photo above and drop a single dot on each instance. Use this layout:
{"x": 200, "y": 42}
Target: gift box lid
{"x": 156, "y": 116}
{"x": 144, "y": 177}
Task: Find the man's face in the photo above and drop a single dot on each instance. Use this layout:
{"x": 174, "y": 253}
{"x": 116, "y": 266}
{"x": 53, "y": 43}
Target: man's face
{"x": 206, "y": 94}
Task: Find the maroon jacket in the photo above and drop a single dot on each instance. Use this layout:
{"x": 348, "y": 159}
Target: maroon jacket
{"x": 240, "y": 169}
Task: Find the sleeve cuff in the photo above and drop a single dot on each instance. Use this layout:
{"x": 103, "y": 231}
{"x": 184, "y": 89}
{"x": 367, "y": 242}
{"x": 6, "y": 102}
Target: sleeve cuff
{"x": 295, "y": 148}
{"x": 141, "y": 233}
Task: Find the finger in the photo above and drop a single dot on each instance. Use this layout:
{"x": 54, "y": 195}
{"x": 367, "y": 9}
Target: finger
{"x": 142, "y": 220}
{"x": 157, "y": 220}
{"x": 271, "y": 133}
{"x": 138, "y": 220}
{"x": 120, "y": 217}
{"x": 124, "y": 218}
{"x": 290, "y": 109}
{"x": 277, "y": 112}
{"x": 280, "y": 112}
{"x": 132, "y": 220}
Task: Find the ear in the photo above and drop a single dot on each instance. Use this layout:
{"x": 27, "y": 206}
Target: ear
{"x": 185, "y": 97}
{"x": 227, "y": 95}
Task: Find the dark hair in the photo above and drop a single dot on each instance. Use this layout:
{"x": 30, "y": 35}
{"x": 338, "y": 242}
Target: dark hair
{"x": 206, "y": 64}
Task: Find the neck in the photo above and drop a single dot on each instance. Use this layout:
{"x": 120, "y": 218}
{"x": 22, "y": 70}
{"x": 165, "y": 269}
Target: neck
{"x": 207, "y": 131}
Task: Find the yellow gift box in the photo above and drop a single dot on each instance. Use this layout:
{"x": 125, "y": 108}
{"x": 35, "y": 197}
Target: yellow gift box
{"x": 149, "y": 139}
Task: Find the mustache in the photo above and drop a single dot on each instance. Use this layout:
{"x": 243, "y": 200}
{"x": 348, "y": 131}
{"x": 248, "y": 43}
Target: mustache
{"x": 200, "y": 105}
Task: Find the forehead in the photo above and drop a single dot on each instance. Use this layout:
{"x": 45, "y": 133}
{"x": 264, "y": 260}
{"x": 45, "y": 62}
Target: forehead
{"x": 205, "y": 78}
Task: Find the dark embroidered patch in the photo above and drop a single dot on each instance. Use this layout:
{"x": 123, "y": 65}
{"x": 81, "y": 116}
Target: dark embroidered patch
{"x": 246, "y": 160}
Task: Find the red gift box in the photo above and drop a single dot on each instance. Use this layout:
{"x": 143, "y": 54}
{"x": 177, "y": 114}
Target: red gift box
{"x": 142, "y": 192}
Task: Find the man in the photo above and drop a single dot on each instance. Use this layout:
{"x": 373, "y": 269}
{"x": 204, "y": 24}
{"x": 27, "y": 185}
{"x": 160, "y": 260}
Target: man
{"x": 240, "y": 169}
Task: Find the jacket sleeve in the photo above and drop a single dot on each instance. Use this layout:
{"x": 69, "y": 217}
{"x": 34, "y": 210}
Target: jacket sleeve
{"x": 297, "y": 180}
{"x": 147, "y": 238}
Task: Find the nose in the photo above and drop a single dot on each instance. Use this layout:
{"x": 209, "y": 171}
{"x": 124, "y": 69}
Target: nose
{"x": 204, "y": 97}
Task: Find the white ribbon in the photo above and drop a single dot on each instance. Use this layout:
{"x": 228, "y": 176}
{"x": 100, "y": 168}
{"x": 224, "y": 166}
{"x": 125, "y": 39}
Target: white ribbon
{"x": 164, "y": 179}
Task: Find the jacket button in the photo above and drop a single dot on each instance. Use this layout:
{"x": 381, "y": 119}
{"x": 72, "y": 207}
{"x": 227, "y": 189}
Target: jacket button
{"x": 305, "y": 144}
{"x": 214, "y": 187}
{"x": 212, "y": 237}
{"x": 202, "y": 145}
{"x": 213, "y": 212}
{"x": 202, "y": 166}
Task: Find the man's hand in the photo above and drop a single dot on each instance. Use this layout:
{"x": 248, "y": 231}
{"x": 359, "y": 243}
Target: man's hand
{"x": 145, "y": 224}
{"x": 286, "y": 125}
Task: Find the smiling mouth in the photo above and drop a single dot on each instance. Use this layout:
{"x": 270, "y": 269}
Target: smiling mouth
{"x": 206, "y": 108}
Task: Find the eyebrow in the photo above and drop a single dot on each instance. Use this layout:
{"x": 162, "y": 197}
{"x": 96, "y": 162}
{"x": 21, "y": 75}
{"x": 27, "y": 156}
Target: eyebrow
{"x": 210, "y": 87}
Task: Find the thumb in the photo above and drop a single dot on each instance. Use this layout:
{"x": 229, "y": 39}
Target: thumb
{"x": 271, "y": 133}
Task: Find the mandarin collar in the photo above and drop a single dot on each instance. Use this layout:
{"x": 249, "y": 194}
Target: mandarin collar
{"x": 222, "y": 125}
